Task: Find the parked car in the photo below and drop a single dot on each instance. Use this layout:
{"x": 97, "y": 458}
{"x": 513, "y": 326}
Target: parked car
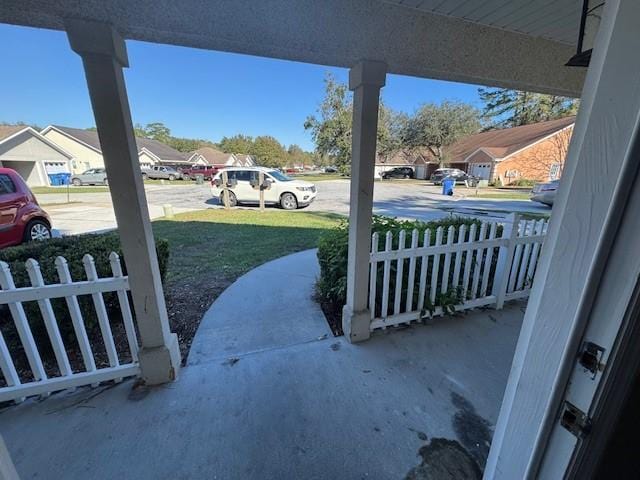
{"x": 398, "y": 172}
{"x": 207, "y": 171}
{"x": 93, "y": 176}
{"x": 329, "y": 169}
{"x": 279, "y": 189}
{"x": 458, "y": 175}
{"x": 160, "y": 172}
{"x": 21, "y": 218}
{"x": 545, "y": 192}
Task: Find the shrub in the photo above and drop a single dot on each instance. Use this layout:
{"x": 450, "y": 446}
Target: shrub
{"x": 332, "y": 256}
{"x": 523, "y": 182}
{"x": 73, "y": 248}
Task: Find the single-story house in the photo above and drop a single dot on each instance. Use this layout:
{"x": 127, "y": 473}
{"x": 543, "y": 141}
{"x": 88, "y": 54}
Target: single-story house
{"x": 421, "y": 161}
{"x": 84, "y": 145}
{"x": 30, "y": 154}
{"x": 534, "y": 152}
{"x": 244, "y": 160}
{"x": 213, "y": 156}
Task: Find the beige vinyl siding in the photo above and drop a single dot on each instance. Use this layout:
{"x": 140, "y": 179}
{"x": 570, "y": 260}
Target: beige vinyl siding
{"x": 28, "y": 155}
{"x": 146, "y": 161}
{"x": 84, "y": 157}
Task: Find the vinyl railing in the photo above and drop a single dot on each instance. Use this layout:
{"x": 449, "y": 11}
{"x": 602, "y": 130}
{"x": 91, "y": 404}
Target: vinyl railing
{"x": 39, "y": 379}
{"x": 461, "y": 268}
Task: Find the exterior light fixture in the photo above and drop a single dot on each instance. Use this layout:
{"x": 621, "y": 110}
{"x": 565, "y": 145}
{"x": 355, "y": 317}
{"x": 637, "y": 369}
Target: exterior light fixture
{"x": 589, "y": 23}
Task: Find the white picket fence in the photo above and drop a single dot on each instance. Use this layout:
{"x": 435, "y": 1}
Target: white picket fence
{"x": 472, "y": 265}
{"x": 70, "y": 290}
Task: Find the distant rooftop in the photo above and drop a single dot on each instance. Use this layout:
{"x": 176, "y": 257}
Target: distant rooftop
{"x": 505, "y": 141}
{"x": 90, "y": 137}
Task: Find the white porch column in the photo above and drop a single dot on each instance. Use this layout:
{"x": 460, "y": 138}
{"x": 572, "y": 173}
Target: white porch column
{"x": 365, "y": 79}
{"x": 104, "y": 54}
{"x": 597, "y": 182}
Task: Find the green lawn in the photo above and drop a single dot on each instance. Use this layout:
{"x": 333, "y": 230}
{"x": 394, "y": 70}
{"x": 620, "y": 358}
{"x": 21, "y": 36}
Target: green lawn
{"x": 210, "y": 249}
{"x": 319, "y": 177}
{"x": 225, "y": 244}
{"x": 72, "y": 189}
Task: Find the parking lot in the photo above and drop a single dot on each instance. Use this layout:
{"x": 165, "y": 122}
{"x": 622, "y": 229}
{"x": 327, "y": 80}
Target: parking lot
{"x": 405, "y": 199}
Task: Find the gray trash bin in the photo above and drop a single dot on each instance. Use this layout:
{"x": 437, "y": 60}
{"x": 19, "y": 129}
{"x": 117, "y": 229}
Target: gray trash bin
{"x": 199, "y": 179}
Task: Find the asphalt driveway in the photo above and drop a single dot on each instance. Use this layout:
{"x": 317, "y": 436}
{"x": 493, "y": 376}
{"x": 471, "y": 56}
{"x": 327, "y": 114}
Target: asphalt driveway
{"x": 404, "y": 199}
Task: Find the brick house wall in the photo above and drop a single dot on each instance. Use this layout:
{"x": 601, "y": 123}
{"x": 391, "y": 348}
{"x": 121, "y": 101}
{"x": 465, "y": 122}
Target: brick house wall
{"x": 541, "y": 161}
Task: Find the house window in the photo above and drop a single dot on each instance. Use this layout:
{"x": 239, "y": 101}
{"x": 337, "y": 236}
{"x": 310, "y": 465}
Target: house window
{"x": 554, "y": 171}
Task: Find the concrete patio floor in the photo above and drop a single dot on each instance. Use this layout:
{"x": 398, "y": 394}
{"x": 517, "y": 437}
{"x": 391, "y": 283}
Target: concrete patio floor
{"x": 268, "y": 393}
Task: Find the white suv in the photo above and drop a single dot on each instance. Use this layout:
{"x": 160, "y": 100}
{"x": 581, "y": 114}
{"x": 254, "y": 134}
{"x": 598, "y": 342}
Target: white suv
{"x": 279, "y": 189}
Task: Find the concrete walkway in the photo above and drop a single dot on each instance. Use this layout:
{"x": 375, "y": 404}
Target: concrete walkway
{"x": 269, "y": 307}
{"x": 268, "y": 393}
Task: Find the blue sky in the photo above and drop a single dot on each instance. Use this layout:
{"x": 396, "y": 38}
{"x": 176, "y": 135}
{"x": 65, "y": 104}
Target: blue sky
{"x": 196, "y": 93}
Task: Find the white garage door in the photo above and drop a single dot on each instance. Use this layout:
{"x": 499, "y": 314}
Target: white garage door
{"x": 56, "y": 167}
{"x": 480, "y": 170}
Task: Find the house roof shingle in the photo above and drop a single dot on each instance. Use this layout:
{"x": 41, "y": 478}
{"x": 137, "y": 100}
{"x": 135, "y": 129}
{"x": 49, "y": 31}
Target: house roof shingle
{"x": 503, "y": 142}
{"x": 212, "y": 155}
{"x": 161, "y": 150}
{"x": 7, "y": 130}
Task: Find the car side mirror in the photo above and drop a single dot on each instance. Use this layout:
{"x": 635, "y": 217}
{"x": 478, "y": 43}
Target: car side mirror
{"x": 266, "y": 185}
{"x": 217, "y": 182}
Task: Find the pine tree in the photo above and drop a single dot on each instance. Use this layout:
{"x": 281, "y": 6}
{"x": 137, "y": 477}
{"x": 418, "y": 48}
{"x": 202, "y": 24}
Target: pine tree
{"x": 505, "y": 108}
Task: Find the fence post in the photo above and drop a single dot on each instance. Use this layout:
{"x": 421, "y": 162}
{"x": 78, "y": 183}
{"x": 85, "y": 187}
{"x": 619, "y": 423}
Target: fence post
{"x": 505, "y": 257}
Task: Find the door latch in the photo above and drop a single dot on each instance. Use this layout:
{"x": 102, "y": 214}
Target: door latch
{"x": 575, "y": 420}
{"x": 591, "y": 358}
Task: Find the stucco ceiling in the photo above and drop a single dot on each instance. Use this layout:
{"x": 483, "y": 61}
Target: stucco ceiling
{"x": 408, "y": 37}
{"x": 557, "y": 20}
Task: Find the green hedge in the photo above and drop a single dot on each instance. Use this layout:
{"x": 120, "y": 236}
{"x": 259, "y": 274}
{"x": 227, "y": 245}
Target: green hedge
{"x": 523, "y": 182}
{"x": 332, "y": 256}
{"x": 73, "y": 248}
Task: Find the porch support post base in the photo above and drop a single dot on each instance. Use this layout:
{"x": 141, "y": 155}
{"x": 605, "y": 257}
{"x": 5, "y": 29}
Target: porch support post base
{"x": 355, "y": 325}
{"x": 160, "y": 364}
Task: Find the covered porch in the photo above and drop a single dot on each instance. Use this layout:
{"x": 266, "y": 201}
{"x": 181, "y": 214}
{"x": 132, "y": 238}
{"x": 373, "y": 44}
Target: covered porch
{"x": 583, "y": 266}
{"x": 278, "y": 396}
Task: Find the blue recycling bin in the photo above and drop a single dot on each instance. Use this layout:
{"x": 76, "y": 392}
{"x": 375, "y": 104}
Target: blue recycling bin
{"x": 65, "y": 178}
{"x": 58, "y": 179}
{"x": 447, "y": 186}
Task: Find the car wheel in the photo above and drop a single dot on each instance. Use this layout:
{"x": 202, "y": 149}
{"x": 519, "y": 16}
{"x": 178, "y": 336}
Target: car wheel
{"x": 172, "y": 178}
{"x": 37, "y": 230}
{"x": 233, "y": 201}
{"x": 288, "y": 201}
{"x": 406, "y": 176}
{"x": 76, "y": 182}
{"x": 186, "y": 177}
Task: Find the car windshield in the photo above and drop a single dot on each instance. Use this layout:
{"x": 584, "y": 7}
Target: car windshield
{"x": 281, "y": 177}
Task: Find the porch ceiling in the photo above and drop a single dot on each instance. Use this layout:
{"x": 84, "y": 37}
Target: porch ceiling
{"x": 520, "y": 44}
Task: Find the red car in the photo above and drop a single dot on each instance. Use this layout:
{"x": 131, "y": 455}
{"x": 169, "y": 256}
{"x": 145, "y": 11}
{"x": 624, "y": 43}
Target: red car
{"x": 206, "y": 171}
{"x": 21, "y": 218}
